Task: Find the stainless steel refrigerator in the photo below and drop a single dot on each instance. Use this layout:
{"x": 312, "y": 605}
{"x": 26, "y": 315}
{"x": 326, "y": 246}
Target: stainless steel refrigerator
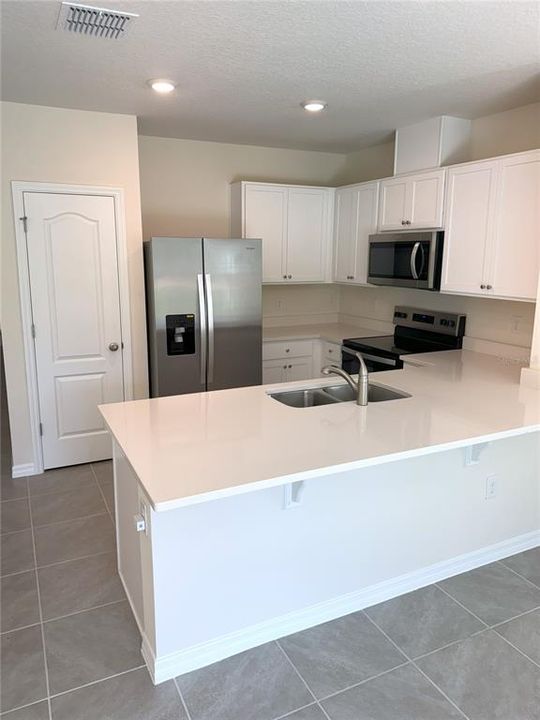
{"x": 204, "y": 308}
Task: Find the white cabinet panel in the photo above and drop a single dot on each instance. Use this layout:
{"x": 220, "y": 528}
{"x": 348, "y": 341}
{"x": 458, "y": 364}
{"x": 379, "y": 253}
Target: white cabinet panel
{"x": 412, "y": 202}
{"x": 425, "y": 207}
{"x": 393, "y": 208}
{"x": 295, "y": 224}
{"x": 493, "y": 228}
{"x": 356, "y": 220}
{"x": 307, "y": 234}
{"x": 300, "y": 369}
{"x": 265, "y": 216}
{"x": 516, "y": 247}
{"x": 274, "y": 371}
{"x": 346, "y": 210}
{"x": 470, "y": 203}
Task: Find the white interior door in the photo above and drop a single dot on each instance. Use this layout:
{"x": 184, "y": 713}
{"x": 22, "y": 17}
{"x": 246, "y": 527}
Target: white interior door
{"x": 73, "y": 273}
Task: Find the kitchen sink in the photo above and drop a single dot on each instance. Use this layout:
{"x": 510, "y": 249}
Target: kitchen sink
{"x": 328, "y": 395}
{"x": 304, "y": 398}
{"x": 376, "y": 393}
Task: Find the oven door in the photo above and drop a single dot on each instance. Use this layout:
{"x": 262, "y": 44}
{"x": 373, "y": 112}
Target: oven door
{"x": 374, "y": 363}
{"x": 405, "y": 260}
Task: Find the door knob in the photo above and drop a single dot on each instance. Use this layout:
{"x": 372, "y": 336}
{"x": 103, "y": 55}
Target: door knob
{"x": 113, "y": 347}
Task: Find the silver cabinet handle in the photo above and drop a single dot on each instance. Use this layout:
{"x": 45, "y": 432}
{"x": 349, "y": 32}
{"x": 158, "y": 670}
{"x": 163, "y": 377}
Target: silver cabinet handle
{"x": 210, "y": 311}
{"x": 113, "y": 347}
{"x": 284, "y": 277}
{"x": 290, "y": 277}
{"x": 489, "y": 287}
{"x": 202, "y": 324}
{"x": 482, "y": 287}
{"x": 414, "y": 252}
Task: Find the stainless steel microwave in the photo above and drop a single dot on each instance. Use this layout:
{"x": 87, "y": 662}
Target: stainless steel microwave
{"x": 406, "y": 259}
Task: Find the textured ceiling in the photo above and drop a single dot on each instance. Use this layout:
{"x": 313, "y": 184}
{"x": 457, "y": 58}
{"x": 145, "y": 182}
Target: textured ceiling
{"x": 242, "y": 68}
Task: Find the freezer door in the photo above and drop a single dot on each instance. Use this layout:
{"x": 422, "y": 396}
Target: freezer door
{"x": 176, "y": 315}
{"x": 233, "y": 276}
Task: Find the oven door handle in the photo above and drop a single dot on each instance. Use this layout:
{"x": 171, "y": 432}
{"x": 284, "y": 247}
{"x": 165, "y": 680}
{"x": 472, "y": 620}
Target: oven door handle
{"x": 414, "y": 253}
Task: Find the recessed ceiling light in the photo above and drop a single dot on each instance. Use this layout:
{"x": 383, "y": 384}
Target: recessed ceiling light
{"x": 162, "y": 86}
{"x": 314, "y": 105}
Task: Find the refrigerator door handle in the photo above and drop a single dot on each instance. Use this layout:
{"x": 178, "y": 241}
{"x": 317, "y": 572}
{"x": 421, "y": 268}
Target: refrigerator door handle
{"x": 210, "y": 311}
{"x": 202, "y": 323}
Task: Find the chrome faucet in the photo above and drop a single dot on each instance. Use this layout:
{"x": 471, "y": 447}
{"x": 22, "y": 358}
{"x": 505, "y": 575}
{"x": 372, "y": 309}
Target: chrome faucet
{"x": 360, "y": 387}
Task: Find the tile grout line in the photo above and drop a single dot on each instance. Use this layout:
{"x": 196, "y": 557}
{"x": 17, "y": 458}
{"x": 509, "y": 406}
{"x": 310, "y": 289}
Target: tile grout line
{"x": 302, "y": 679}
{"x": 519, "y": 574}
{"x": 182, "y": 700}
{"x": 461, "y": 605}
{"x": 58, "y": 562}
{"x": 102, "y": 494}
{"x": 46, "y": 667}
{"x": 366, "y": 680}
{"x": 514, "y": 617}
{"x": 7, "y": 713}
{"x": 506, "y": 640}
{"x": 96, "y": 682}
{"x": 75, "y": 519}
{"x": 293, "y": 712}
{"x": 456, "y": 707}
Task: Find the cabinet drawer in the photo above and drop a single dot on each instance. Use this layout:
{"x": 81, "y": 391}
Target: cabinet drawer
{"x": 297, "y": 348}
{"x": 331, "y": 351}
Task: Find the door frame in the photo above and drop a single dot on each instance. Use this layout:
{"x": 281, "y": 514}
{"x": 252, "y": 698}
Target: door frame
{"x": 18, "y": 188}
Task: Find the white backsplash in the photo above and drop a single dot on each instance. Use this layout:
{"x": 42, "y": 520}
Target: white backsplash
{"x": 497, "y": 321}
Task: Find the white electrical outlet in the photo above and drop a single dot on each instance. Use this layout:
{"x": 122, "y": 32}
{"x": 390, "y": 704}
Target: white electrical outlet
{"x": 492, "y": 482}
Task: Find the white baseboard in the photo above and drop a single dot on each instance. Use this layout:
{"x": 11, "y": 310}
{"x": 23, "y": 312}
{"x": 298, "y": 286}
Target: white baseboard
{"x": 195, "y": 657}
{"x": 24, "y": 470}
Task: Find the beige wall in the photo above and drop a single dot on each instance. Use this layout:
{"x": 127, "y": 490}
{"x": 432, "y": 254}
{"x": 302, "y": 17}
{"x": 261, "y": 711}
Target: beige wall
{"x": 185, "y": 184}
{"x": 370, "y": 163}
{"x": 75, "y": 147}
{"x": 506, "y": 132}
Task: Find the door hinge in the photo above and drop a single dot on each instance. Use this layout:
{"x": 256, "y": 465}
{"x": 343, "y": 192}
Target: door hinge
{"x": 41, "y": 428}
{"x": 24, "y": 222}
{"x": 33, "y": 330}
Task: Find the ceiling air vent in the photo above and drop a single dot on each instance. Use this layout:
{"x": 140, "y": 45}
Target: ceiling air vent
{"x": 98, "y": 22}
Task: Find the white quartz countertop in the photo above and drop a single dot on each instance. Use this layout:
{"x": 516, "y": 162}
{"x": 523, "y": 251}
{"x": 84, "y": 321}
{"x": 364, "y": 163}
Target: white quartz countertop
{"x": 331, "y": 332}
{"x": 188, "y": 449}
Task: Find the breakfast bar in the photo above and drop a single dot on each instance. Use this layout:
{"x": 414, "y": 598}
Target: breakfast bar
{"x": 241, "y": 519}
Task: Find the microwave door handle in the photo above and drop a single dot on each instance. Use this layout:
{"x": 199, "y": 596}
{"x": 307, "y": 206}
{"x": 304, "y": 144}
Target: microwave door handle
{"x": 414, "y": 253}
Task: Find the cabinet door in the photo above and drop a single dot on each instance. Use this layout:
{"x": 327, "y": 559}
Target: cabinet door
{"x": 393, "y": 203}
{"x": 366, "y": 225}
{"x": 299, "y": 369}
{"x": 274, "y": 371}
{"x": 265, "y": 216}
{"x": 514, "y": 257}
{"x": 307, "y": 234}
{"x": 425, "y": 202}
{"x": 344, "y": 233}
{"x": 470, "y": 204}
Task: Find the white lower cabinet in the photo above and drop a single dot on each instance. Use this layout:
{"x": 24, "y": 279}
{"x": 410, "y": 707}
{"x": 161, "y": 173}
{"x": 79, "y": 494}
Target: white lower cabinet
{"x": 297, "y": 360}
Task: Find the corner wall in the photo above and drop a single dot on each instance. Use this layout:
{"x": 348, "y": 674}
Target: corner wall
{"x": 56, "y": 145}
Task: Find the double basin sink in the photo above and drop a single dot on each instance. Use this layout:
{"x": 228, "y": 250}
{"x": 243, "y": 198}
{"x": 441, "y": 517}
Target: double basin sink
{"x": 312, "y": 397}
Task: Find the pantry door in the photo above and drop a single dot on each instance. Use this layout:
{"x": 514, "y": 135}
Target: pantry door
{"x": 73, "y": 277}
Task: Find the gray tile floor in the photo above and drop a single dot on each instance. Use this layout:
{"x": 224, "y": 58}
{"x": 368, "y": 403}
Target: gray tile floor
{"x": 468, "y": 647}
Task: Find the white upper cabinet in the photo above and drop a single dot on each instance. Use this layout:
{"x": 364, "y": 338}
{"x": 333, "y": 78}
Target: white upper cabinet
{"x": 265, "y": 216}
{"x": 492, "y": 237}
{"x": 355, "y": 220}
{"x": 295, "y": 224}
{"x": 470, "y": 203}
{"x": 516, "y": 246}
{"x": 411, "y": 202}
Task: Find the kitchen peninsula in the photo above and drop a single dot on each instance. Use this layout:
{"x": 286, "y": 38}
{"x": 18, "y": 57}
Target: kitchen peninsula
{"x": 257, "y": 519}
